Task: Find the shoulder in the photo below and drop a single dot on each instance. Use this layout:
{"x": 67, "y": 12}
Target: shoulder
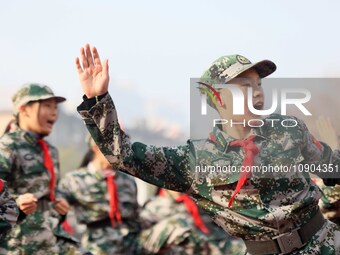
{"x": 11, "y": 138}
{"x": 198, "y": 142}
{"x": 11, "y": 143}
{"x": 283, "y": 123}
{"x": 202, "y": 146}
{"x": 75, "y": 179}
{"x": 156, "y": 201}
{"x": 143, "y": 148}
{"x": 77, "y": 174}
{"x": 275, "y": 117}
{"x": 285, "y": 130}
{"x": 125, "y": 179}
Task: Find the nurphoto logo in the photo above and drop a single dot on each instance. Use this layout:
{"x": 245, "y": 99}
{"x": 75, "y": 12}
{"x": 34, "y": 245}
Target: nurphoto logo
{"x": 238, "y": 100}
{"x": 283, "y": 94}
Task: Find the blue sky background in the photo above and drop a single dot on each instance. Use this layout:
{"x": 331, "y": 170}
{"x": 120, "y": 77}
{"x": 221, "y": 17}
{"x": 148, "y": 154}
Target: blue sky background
{"x": 155, "y": 47}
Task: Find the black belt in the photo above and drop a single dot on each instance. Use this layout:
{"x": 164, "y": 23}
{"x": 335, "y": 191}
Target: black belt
{"x": 99, "y": 223}
{"x": 287, "y": 242}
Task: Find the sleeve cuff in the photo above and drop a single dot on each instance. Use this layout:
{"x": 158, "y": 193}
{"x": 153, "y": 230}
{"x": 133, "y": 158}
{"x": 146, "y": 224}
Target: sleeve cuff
{"x": 88, "y": 103}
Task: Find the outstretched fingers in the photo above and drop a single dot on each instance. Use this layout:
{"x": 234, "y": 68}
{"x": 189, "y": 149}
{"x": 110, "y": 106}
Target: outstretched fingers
{"x": 78, "y": 66}
{"x": 96, "y": 57}
{"x": 106, "y": 67}
{"x": 83, "y": 58}
{"x": 89, "y": 55}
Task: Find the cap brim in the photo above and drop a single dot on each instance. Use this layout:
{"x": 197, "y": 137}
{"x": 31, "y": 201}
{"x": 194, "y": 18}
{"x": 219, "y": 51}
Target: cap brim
{"x": 60, "y": 99}
{"x": 57, "y": 98}
{"x": 263, "y": 68}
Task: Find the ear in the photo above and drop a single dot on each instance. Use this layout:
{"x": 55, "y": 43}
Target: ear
{"x": 23, "y": 110}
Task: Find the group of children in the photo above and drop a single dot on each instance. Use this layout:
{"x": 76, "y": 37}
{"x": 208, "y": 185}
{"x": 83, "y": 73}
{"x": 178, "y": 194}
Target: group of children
{"x": 37, "y": 199}
{"x": 278, "y": 214}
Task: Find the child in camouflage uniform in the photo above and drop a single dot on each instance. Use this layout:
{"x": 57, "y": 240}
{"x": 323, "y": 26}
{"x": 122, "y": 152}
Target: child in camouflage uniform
{"x": 8, "y": 211}
{"x": 330, "y": 201}
{"x": 106, "y": 201}
{"x": 177, "y": 226}
{"x": 30, "y": 166}
{"x": 276, "y": 215}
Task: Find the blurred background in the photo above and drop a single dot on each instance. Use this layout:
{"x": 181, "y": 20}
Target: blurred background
{"x": 154, "y": 48}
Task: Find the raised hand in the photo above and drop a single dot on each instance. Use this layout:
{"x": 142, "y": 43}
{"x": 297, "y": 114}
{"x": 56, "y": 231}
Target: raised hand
{"x": 93, "y": 75}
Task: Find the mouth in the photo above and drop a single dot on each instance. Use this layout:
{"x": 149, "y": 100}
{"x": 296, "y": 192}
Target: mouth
{"x": 50, "y": 122}
{"x": 258, "y": 105}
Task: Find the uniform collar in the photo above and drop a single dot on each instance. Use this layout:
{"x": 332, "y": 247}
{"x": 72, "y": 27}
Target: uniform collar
{"x": 222, "y": 140}
{"x": 98, "y": 173}
{"x": 29, "y": 136}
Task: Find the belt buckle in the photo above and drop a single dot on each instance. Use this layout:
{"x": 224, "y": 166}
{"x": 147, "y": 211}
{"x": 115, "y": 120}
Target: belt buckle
{"x": 289, "y": 241}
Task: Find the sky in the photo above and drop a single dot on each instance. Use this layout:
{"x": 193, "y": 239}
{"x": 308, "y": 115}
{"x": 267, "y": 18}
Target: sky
{"x": 155, "y": 47}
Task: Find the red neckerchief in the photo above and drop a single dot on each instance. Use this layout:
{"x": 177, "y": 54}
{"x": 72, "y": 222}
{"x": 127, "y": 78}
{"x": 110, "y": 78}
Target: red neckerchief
{"x": 67, "y": 227}
{"x": 1, "y": 185}
{"x": 193, "y": 210}
{"x": 48, "y": 163}
{"x": 114, "y": 213}
{"x": 250, "y": 150}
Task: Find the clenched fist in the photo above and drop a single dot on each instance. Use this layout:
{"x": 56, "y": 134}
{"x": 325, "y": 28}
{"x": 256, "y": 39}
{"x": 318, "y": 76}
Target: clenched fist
{"x": 27, "y": 203}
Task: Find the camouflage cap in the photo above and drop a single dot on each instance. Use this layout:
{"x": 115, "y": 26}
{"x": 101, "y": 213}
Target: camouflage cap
{"x": 227, "y": 67}
{"x": 33, "y": 92}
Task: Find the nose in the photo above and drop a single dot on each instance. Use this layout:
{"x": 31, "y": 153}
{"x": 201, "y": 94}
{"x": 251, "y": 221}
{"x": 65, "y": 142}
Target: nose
{"x": 257, "y": 91}
{"x": 55, "y": 111}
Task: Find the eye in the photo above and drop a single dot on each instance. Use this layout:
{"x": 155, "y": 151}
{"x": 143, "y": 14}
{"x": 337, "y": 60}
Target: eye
{"x": 246, "y": 85}
{"x": 259, "y": 84}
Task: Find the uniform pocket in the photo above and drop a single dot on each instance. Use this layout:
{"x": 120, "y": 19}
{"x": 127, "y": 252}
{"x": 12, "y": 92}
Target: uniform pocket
{"x": 219, "y": 172}
{"x": 248, "y": 198}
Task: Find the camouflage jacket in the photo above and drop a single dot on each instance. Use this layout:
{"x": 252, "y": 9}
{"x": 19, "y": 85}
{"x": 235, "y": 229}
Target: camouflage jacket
{"x": 264, "y": 208}
{"x": 8, "y": 210}
{"x": 22, "y": 166}
{"x": 87, "y": 192}
{"x": 173, "y": 229}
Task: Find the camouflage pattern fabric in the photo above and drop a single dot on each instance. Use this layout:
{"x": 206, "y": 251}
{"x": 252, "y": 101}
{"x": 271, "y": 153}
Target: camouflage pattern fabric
{"x": 173, "y": 231}
{"x": 225, "y": 68}
{"x": 262, "y": 210}
{"x": 33, "y": 92}
{"x": 86, "y": 190}
{"x": 9, "y": 211}
{"x": 22, "y": 166}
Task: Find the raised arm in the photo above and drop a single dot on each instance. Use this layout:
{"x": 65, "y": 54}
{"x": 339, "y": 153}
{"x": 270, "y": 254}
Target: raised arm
{"x": 161, "y": 166}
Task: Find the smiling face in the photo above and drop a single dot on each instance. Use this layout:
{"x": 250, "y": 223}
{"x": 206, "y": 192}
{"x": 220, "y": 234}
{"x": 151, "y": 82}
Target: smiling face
{"x": 39, "y": 116}
{"x": 245, "y": 80}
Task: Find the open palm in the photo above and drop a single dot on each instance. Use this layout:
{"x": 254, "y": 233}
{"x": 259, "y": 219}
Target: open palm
{"x": 93, "y": 75}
